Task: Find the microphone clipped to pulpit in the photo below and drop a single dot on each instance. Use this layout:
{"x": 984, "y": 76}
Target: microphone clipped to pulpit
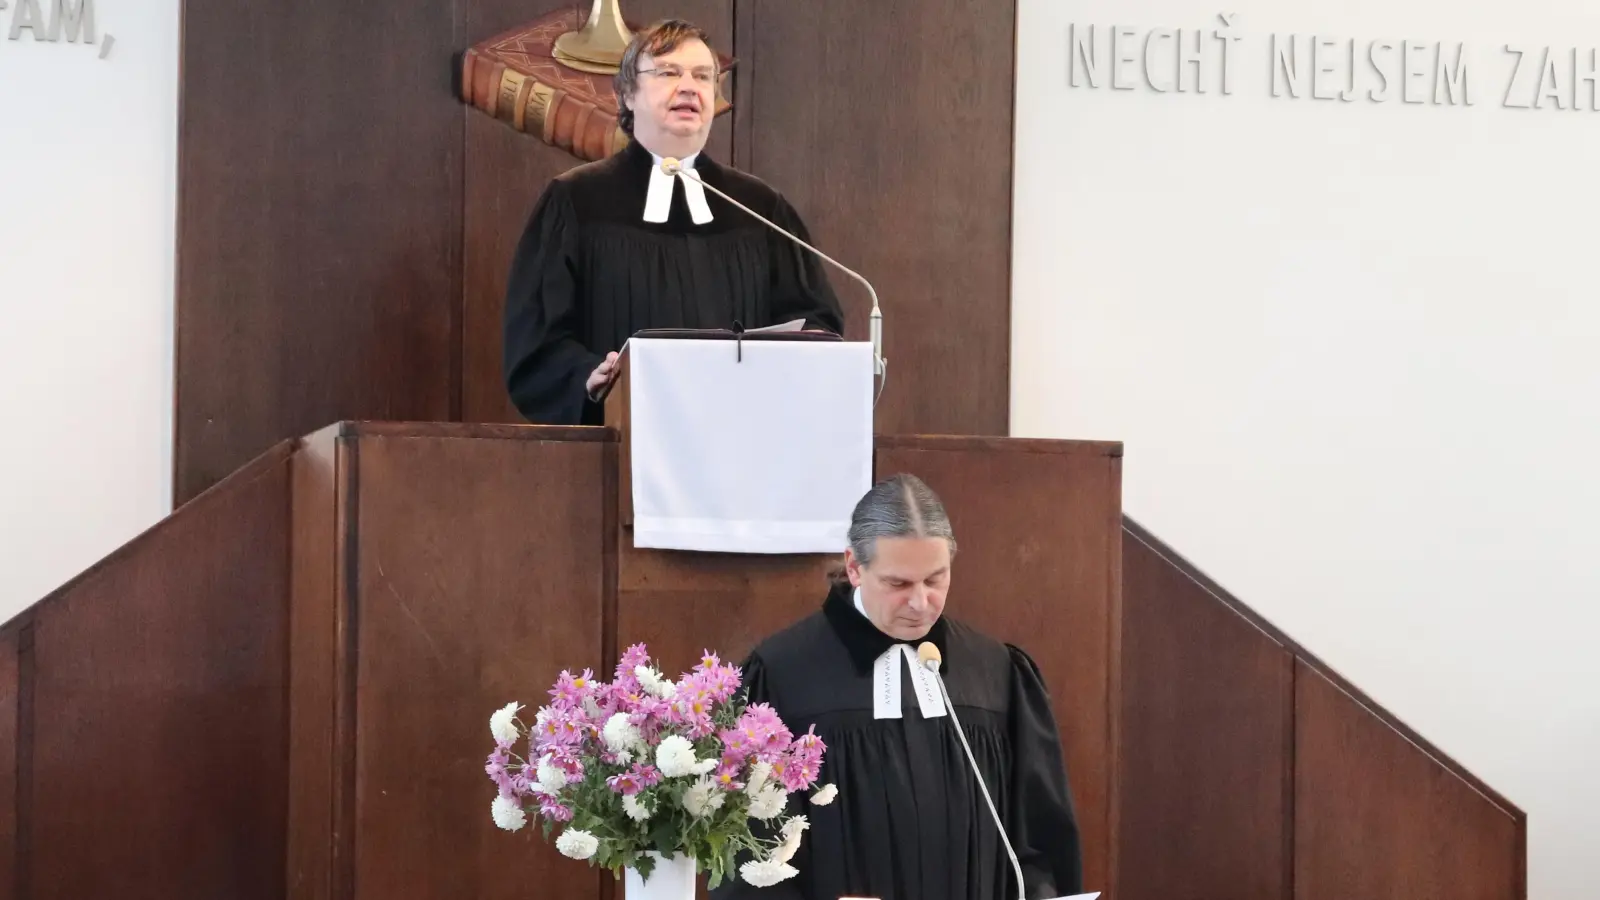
{"x": 929, "y": 657}
{"x": 675, "y": 168}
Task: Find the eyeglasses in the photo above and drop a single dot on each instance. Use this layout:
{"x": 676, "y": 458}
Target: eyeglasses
{"x": 666, "y": 74}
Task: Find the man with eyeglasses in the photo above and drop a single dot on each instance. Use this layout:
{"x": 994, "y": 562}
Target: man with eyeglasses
{"x": 616, "y": 246}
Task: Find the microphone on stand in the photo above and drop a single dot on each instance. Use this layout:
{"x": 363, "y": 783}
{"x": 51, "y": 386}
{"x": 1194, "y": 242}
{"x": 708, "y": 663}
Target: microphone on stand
{"x": 929, "y": 657}
{"x": 673, "y": 167}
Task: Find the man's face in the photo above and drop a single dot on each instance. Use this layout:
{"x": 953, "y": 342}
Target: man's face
{"x": 904, "y": 588}
{"x": 673, "y": 104}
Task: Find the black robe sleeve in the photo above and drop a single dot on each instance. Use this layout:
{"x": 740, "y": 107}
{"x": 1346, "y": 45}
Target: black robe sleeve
{"x": 801, "y": 289}
{"x": 546, "y": 367}
{"x": 1043, "y": 826}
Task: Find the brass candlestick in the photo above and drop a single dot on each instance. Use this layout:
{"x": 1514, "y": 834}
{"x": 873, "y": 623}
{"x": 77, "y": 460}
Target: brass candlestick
{"x": 599, "y": 44}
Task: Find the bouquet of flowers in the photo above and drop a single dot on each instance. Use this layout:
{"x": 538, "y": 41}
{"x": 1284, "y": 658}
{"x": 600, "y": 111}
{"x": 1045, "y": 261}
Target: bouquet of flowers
{"x": 644, "y": 764}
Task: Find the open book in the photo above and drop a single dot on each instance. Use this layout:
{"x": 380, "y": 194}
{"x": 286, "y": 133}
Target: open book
{"x": 793, "y": 330}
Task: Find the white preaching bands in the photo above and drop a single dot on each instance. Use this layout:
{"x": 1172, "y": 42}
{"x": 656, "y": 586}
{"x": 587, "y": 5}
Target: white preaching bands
{"x": 658, "y": 201}
{"x": 886, "y": 680}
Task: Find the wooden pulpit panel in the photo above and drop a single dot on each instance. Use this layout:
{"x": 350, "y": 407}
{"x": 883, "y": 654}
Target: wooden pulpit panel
{"x": 157, "y": 708}
{"x": 10, "y": 695}
{"x": 1207, "y": 724}
{"x": 480, "y": 576}
{"x": 1376, "y": 816}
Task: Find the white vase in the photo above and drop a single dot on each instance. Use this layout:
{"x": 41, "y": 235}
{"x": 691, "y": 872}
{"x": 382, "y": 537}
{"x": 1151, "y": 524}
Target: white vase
{"x": 671, "y": 879}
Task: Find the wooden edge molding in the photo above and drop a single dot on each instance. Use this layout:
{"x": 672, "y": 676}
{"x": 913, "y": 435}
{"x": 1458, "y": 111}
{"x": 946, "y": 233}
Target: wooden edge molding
{"x": 959, "y": 443}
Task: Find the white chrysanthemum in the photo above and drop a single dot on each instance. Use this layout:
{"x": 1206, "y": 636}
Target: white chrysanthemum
{"x": 623, "y": 757}
{"x": 675, "y": 757}
{"x": 620, "y": 734}
{"x": 702, "y": 798}
{"x": 591, "y": 708}
{"x": 552, "y": 778}
{"x": 768, "y": 802}
{"x": 793, "y": 826}
{"x": 767, "y": 872}
{"x": 759, "y": 773}
{"x": 503, "y": 723}
{"x": 826, "y": 795}
{"x": 508, "y": 813}
{"x": 654, "y": 683}
{"x": 577, "y": 844}
{"x": 636, "y": 810}
{"x": 793, "y": 829}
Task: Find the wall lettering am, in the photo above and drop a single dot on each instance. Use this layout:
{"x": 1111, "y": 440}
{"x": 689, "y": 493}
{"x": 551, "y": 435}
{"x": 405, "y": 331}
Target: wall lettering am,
{"x": 54, "y": 22}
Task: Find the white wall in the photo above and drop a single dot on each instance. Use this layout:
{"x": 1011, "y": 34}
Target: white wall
{"x": 88, "y": 162}
{"x": 1354, "y": 350}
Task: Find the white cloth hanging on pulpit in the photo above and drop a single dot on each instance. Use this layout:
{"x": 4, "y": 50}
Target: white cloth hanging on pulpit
{"x": 748, "y": 446}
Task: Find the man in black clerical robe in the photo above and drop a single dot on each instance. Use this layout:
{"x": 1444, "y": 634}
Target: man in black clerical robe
{"x": 909, "y": 821}
{"x": 617, "y": 246}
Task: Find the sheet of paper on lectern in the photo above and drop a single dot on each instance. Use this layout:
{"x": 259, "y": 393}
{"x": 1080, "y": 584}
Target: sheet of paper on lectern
{"x": 749, "y": 446}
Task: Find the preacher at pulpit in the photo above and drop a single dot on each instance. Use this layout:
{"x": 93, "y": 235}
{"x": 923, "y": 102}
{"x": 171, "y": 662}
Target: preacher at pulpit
{"x": 617, "y": 246}
{"x": 909, "y": 821}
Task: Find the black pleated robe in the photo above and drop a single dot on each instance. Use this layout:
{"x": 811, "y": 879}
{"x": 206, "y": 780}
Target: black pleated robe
{"x": 588, "y": 272}
{"x": 909, "y": 822}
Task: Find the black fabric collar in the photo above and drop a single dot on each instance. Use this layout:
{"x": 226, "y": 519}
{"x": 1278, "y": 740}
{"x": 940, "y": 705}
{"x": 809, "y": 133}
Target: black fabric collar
{"x": 639, "y": 157}
{"x": 864, "y": 641}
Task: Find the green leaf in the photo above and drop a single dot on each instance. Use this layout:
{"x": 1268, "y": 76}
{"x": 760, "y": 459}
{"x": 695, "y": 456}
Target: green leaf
{"x": 664, "y": 834}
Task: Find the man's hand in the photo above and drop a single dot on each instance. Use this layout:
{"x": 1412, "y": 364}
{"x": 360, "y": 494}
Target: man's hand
{"x": 602, "y": 375}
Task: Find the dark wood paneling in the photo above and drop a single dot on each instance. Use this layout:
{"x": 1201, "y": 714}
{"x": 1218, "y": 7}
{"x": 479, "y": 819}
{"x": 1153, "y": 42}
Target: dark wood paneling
{"x": 159, "y": 766}
{"x": 888, "y": 125}
{"x": 478, "y": 577}
{"x": 319, "y": 224}
{"x": 683, "y": 603}
{"x": 505, "y": 173}
{"x": 1205, "y": 757}
{"x": 10, "y": 732}
{"x": 1375, "y": 816}
{"x": 313, "y": 666}
{"x": 1039, "y": 537}
{"x": 1188, "y": 569}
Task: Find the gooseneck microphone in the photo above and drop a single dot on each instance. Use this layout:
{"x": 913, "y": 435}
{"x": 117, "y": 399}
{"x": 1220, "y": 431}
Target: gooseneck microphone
{"x": 930, "y": 658}
{"x": 673, "y": 167}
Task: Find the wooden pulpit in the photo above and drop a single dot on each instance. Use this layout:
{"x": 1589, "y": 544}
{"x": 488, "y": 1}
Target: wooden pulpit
{"x": 284, "y": 688}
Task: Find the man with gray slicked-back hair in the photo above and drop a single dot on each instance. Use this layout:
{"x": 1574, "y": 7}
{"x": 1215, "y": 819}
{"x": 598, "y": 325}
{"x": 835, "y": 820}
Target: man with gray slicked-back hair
{"x": 910, "y": 821}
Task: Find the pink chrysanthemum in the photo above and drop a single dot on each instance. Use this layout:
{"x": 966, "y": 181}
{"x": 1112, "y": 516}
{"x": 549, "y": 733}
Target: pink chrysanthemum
{"x": 571, "y": 690}
{"x": 554, "y": 811}
{"x": 650, "y": 715}
{"x": 793, "y": 773}
{"x": 499, "y": 773}
{"x": 691, "y": 709}
{"x": 568, "y": 763}
{"x": 808, "y": 749}
{"x": 726, "y": 776}
{"x": 561, "y": 729}
{"x": 763, "y": 733}
{"x": 723, "y": 682}
{"x": 633, "y": 657}
{"x": 636, "y": 779}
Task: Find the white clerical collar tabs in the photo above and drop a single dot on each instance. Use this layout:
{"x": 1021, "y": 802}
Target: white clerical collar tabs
{"x": 658, "y": 196}
{"x": 886, "y": 684}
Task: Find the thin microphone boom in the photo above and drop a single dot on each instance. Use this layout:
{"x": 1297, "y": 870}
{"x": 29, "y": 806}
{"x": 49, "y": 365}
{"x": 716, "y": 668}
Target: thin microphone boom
{"x": 874, "y": 319}
{"x": 928, "y": 654}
